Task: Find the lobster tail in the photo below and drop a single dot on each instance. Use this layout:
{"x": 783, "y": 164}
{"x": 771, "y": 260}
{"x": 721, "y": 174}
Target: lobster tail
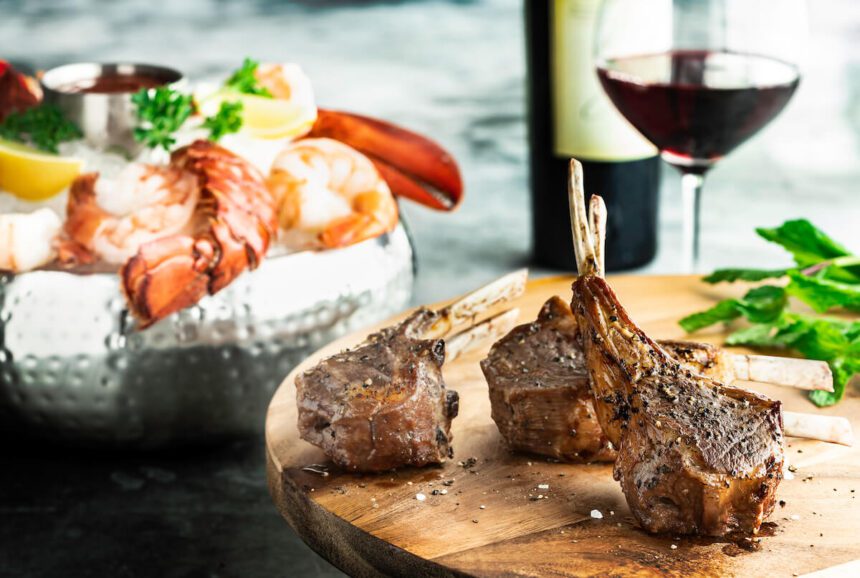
{"x": 235, "y": 222}
{"x": 164, "y": 277}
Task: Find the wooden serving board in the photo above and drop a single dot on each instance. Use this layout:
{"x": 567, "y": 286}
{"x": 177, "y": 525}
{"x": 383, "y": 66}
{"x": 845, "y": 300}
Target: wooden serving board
{"x": 491, "y": 521}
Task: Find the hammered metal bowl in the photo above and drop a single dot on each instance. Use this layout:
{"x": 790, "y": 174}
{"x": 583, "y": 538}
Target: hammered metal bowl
{"x": 74, "y": 367}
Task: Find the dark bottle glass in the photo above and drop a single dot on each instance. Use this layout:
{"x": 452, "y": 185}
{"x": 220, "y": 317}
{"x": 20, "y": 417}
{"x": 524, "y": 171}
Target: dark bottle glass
{"x": 570, "y": 116}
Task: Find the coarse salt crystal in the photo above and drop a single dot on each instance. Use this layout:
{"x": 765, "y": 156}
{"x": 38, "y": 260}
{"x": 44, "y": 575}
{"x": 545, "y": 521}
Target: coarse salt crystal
{"x": 420, "y": 497}
{"x": 596, "y": 514}
{"x": 543, "y": 486}
{"x": 795, "y": 517}
{"x": 674, "y": 546}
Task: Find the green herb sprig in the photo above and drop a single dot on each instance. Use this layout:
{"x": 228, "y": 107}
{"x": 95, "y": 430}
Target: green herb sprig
{"x": 826, "y": 276}
{"x": 244, "y": 80}
{"x": 161, "y": 111}
{"x": 227, "y": 120}
{"x": 44, "y": 127}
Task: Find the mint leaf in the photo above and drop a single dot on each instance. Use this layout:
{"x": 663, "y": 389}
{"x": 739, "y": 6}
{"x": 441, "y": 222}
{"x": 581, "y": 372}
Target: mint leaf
{"x": 835, "y": 341}
{"x": 725, "y": 310}
{"x": 806, "y": 242}
{"x": 823, "y": 294}
{"x": 760, "y": 335}
{"x": 827, "y": 276}
{"x": 732, "y": 275}
{"x": 759, "y": 305}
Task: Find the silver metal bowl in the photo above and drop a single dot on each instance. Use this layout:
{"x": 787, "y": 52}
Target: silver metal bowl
{"x": 73, "y": 367}
{"x": 106, "y": 119}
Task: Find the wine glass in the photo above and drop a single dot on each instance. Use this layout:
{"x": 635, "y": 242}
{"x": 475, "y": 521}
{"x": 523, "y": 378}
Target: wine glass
{"x": 699, "y": 77}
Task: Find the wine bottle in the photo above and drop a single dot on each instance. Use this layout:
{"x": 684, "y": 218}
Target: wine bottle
{"x": 570, "y": 116}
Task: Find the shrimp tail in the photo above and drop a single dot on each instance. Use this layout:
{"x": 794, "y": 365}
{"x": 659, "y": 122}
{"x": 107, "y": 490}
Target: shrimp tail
{"x": 83, "y": 218}
{"x": 414, "y": 166}
{"x": 71, "y": 253}
{"x": 351, "y": 229}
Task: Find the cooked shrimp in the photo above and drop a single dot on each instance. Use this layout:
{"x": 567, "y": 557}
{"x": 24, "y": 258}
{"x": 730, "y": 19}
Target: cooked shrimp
{"x": 26, "y": 239}
{"x": 325, "y": 188}
{"x": 286, "y": 81}
{"x": 113, "y": 218}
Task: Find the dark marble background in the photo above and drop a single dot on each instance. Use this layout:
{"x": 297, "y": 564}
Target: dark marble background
{"x": 451, "y": 69}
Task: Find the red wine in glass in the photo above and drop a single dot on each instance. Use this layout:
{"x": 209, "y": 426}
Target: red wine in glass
{"x": 698, "y": 105}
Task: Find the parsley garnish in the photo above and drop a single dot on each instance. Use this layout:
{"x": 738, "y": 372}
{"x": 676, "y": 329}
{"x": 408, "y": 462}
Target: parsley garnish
{"x": 227, "y": 120}
{"x": 161, "y": 111}
{"x": 44, "y": 127}
{"x": 245, "y": 81}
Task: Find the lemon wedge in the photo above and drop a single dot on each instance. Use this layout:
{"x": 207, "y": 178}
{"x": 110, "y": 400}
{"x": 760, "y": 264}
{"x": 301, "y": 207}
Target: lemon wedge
{"x": 32, "y": 175}
{"x": 266, "y": 118}
{"x": 270, "y": 118}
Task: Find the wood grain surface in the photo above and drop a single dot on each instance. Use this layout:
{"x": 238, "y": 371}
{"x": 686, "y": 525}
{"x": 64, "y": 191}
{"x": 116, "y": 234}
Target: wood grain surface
{"x": 490, "y": 512}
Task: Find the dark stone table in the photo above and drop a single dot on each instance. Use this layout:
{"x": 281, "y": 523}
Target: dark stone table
{"x": 200, "y": 512}
{"x": 454, "y": 70}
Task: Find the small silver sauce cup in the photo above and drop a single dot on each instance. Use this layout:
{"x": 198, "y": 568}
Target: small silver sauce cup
{"x": 107, "y": 119}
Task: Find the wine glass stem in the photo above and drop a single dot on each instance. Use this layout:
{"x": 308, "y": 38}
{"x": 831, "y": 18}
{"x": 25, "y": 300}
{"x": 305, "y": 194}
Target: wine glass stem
{"x": 691, "y": 187}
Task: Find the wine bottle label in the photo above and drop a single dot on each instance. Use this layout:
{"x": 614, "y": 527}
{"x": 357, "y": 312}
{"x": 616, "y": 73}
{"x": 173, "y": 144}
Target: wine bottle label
{"x": 587, "y": 125}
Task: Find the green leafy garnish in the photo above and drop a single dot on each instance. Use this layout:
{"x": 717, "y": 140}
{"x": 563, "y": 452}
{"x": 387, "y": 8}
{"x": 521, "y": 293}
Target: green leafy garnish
{"x": 759, "y": 305}
{"x": 44, "y": 127}
{"x": 807, "y": 243}
{"x": 161, "y": 112}
{"x": 732, "y": 275}
{"x": 245, "y": 81}
{"x": 823, "y": 294}
{"x": 227, "y": 120}
{"x": 826, "y": 277}
{"x": 835, "y": 341}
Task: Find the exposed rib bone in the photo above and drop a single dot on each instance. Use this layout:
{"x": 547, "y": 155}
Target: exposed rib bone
{"x": 468, "y": 308}
{"x": 786, "y": 371}
{"x": 487, "y": 332}
{"x": 825, "y": 428}
{"x": 727, "y": 367}
{"x": 583, "y": 244}
{"x": 597, "y": 222}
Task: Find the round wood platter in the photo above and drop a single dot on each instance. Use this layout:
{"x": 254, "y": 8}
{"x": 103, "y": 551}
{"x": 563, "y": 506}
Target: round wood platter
{"x": 507, "y": 514}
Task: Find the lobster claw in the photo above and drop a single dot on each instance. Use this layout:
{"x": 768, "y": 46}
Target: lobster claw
{"x": 413, "y": 166}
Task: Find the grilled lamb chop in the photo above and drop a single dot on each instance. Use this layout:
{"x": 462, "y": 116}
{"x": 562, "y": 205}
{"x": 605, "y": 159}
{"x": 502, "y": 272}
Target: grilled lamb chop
{"x": 384, "y": 404}
{"x": 542, "y": 403}
{"x": 694, "y": 456}
{"x": 539, "y": 392}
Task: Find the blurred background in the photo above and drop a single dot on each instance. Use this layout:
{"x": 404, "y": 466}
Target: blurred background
{"x": 453, "y": 70}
